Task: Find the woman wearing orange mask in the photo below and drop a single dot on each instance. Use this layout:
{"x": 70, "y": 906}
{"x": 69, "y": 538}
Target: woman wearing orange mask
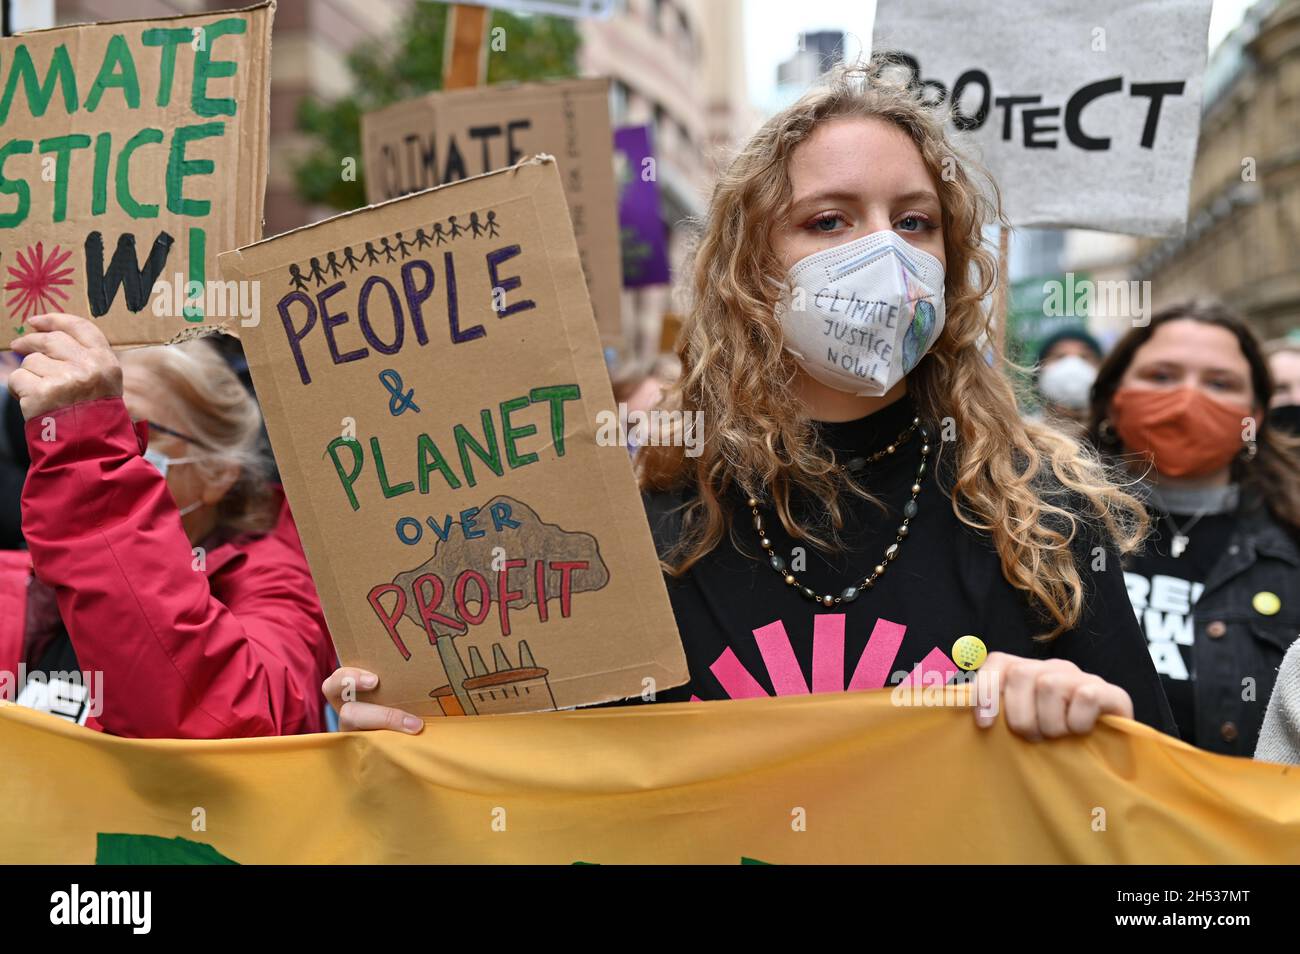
{"x": 1217, "y": 587}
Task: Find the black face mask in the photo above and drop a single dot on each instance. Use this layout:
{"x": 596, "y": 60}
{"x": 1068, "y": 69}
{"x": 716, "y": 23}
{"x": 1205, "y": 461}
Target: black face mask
{"x": 1285, "y": 418}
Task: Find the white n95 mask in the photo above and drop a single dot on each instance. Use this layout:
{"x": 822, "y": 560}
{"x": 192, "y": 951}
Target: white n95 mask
{"x": 859, "y": 316}
{"x": 1068, "y": 382}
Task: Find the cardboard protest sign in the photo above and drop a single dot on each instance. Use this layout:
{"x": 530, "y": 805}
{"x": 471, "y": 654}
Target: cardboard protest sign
{"x": 431, "y": 377}
{"x": 131, "y": 153}
{"x": 446, "y": 136}
{"x": 641, "y": 225}
{"x": 1086, "y": 114}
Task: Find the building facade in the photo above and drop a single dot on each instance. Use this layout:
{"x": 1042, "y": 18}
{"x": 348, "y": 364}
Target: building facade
{"x": 819, "y": 52}
{"x": 1242, "y": 243}
{"x": 677, "y": 65}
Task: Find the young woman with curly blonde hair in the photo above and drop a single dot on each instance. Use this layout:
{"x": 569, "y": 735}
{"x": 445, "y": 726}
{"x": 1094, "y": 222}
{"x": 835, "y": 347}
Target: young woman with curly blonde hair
{"x": 869, "y": 506}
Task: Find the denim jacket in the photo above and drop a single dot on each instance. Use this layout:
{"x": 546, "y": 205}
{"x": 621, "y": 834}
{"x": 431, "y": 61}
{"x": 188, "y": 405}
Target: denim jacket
{"x": 1241, "y": 636}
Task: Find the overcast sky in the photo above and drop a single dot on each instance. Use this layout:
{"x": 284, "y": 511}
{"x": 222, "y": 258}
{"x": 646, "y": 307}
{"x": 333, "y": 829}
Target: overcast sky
{"x": 772, "y": 29}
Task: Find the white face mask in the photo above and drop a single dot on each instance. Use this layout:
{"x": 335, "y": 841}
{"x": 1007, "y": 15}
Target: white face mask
{"x": 162, "y": 462}
{"x": 871, "y": 310}
{"x": 1068, "y": 381}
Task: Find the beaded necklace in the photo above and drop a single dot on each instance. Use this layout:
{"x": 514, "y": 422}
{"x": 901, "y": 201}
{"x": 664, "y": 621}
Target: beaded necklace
{"x": 851, "y": 593}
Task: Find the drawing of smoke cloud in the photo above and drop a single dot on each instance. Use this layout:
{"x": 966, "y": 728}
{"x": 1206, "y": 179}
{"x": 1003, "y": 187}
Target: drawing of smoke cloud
{"x": 531, "y": 540}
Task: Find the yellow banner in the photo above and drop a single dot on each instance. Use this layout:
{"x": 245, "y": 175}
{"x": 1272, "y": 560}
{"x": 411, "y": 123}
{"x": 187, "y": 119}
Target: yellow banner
{"x": 847, "y": 777}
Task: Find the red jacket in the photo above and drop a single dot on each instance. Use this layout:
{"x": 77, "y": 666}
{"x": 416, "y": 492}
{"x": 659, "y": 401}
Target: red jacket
{"x": 239, "y": 649}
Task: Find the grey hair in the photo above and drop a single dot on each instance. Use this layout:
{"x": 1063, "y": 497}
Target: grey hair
{"x": 218, "y": 410}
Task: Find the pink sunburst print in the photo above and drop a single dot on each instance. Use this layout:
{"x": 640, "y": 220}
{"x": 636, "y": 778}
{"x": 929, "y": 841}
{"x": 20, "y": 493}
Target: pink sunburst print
{"x": 36, "y": 281}
{"x": 871, "y": 672}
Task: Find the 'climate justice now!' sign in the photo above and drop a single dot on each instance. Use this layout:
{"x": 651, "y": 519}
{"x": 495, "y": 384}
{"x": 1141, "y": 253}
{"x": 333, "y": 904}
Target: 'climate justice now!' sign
{"x": 431, "y": 375}
{"x": 131, "y": 153}
{"x": 1087, "y": 114}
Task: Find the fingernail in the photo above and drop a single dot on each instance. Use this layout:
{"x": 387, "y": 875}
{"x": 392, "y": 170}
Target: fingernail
{"x": 983, "y": 719}
{"x": 369, "y": 681}
{"x": 412, "y": 724}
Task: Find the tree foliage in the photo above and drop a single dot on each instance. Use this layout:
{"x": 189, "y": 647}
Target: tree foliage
{"x": 407, "y": 64}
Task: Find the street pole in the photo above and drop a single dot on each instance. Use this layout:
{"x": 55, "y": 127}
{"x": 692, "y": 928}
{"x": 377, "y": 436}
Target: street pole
{"x": 465, "y": 59}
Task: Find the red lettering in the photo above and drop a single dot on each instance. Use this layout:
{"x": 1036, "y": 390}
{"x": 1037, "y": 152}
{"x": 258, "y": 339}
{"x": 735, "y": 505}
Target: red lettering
{"x": 429, "y": 607}
{"x": 390, "y": 619}
{"x": 539, "y": 577}
{"x": 485, "y": 597}
{"x": 566, "y": 583}
{"x": 504, "y": 596}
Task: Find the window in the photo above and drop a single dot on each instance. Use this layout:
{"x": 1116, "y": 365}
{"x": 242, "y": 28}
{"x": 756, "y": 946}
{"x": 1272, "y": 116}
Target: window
{"x": 619, "y": 95}
{"x": 685, "y": 38}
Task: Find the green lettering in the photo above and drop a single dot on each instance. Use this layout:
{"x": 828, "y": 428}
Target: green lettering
{"x": 513, "y": 434}
{"x": 382, "y": 474}
{"x": 62, "y": 147}
{"x": 557, "y": 395}
{"x": 99, "y": 189}
{"x": 358, "y": 458}
{"x": 127, "y": 201}
{"x": 169, "y": 40}
{"x": 198, "y": 271}
{"x": 178, "y": 167}
{"x": 122, "y": 75}
{"x": 16, "y": 187}
{"x": 465, "y": 442}
{"x": 431, "y": 459}
{"x": 39, "y": 94}
{"x": 206, "y": 68}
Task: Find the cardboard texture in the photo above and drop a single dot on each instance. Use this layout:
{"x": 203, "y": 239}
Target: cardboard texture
{"x": 1087, "y": 114}
{"x": 430, "y": 375}
{"x": 133, "y": 152}
{"x": 446, "y": 136}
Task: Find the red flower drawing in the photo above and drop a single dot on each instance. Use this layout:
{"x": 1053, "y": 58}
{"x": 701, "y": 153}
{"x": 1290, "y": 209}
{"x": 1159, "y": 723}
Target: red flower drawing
{"x": 36, "y": 280}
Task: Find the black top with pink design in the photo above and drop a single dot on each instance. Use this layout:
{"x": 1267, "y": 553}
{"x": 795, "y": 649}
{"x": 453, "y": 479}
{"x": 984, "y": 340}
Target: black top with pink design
{"x": 748, "y": 633}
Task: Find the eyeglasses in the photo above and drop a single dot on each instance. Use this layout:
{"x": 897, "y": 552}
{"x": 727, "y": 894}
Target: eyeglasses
{"x": 153, "y": 426}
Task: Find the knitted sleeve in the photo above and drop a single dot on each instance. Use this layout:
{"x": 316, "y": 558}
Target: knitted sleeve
{"x": 1279, "y": 739}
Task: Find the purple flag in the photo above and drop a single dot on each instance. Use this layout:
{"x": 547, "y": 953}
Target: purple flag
{"x": 641, "y": 227}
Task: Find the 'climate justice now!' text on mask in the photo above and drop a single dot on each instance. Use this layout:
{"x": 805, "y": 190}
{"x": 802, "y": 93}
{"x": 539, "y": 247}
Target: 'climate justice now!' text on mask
{"x": 859, "y": 316}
